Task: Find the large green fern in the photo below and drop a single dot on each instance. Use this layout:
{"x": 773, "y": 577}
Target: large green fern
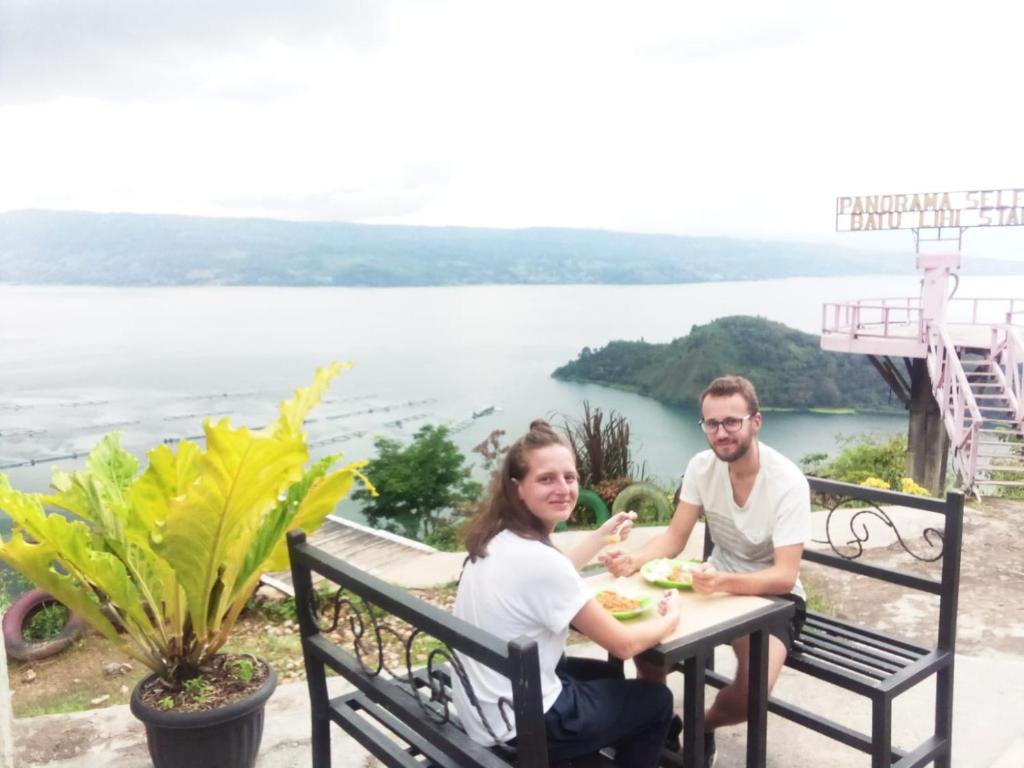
{"x": 175, "y": 552}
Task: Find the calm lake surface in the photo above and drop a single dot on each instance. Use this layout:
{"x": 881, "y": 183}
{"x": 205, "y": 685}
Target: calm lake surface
{"x": 77, "y": 362}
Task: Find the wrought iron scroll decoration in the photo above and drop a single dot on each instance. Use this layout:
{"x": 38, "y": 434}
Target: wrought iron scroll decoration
{"x": 436, "y": 683}
{"x": 357, "y": 625}
{"x": 860, "y": 534}
{"x": 436, "y": 706}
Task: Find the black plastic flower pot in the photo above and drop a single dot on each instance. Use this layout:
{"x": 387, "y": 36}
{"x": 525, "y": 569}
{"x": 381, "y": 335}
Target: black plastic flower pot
{"x": 228, "y": 737}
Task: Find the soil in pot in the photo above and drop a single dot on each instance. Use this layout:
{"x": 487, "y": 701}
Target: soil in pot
{"x": 213, "y": 720}
{"x": 229, "y": 678}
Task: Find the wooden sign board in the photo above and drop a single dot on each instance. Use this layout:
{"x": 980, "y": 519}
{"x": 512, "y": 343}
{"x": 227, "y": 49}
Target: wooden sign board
{"x": 931, "y": 210}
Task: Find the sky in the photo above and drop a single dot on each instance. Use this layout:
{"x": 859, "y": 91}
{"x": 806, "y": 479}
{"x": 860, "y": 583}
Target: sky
{"x": 741, "y": 119}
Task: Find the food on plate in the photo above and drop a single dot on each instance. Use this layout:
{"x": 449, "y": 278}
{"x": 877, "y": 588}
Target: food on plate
{"x": 674, "y": 574}
{"x": 616, "y": 603}
{"x": 681, "y": 572}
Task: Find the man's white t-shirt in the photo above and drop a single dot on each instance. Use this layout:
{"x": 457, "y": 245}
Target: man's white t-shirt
{"x": 522, "y": 588}
{"x": 777, "y": 512}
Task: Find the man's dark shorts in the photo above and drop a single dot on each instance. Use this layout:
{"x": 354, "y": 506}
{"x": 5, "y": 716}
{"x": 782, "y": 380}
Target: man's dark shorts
{"x": 787, "y": 630}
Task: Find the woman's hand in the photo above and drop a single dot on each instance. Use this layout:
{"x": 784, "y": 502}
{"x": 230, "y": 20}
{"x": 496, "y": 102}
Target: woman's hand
{"x": 617, "y": 528}
{"x": 614, "y": 529}
{"x": 670, "y": 604}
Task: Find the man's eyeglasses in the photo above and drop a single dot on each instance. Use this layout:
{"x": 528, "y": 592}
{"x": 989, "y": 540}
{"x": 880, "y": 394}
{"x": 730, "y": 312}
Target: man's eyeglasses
{"x": 731, "y": 424}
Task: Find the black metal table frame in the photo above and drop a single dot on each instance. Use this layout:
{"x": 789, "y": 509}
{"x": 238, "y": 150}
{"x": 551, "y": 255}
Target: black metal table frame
{"x": 695, "y": 649}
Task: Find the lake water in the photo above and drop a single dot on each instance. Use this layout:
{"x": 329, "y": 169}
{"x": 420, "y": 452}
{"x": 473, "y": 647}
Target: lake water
{"x": 76, "y": 362}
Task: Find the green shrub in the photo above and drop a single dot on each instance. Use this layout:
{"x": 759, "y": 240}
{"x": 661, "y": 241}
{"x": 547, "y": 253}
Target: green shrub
{"x": 863, "y": 457}
{"x": 274, "y": 611}
{"x": 445, "y": 536}
{"x": 418, "y": 485}
{"x": 45, "y": 623}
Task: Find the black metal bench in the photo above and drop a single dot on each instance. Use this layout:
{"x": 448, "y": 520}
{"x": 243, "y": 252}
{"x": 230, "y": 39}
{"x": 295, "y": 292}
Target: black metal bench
{"x": 400, "y": 709}
{"x": 869, "y": 662}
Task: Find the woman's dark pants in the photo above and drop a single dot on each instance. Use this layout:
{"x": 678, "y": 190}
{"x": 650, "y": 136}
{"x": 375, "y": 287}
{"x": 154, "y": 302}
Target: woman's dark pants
{"x": 598, "y": 708}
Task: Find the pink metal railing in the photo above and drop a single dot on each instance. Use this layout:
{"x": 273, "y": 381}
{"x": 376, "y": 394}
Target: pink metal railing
{"x": 1007, "y": 353}
{"x": 953, "y": 394}
{"x": 986, "y": 311}
{"x": 874, "y": 318}
{"x": 902, "y": 317}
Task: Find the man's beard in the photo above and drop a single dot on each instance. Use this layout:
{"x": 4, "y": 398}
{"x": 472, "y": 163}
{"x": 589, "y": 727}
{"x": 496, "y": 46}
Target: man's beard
{"x": 730, "y": 453}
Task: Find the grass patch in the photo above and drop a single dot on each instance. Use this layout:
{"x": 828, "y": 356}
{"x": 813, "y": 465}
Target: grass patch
{"x": 60, "y": 705}
{"x": 441, "y": 594}
{"x": 835, "y": 411}
{"x": 817, "y": 600}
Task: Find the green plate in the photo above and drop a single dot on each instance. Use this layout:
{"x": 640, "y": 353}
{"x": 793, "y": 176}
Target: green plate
{"x": 657, "y": 572}
{"x": 646, "y": 601}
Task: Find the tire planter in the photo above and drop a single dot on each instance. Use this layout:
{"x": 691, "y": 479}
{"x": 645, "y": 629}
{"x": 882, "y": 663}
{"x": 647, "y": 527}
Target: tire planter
{"x": 20, "y": 612}
{"x": 645, "y": 492}
{"x": 589, "y": 500}
{"x": 228, "y": 737}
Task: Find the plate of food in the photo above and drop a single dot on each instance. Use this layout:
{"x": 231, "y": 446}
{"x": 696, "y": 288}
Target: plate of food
{"x": 673, "y": 574}
{"x": 623, "y": 606}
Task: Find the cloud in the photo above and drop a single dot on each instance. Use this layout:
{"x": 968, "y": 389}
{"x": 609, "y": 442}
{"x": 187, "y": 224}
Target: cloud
{"x": 741, "y": 119}
{"x": 155, "y": 50}
{"x": 365, "y": 205}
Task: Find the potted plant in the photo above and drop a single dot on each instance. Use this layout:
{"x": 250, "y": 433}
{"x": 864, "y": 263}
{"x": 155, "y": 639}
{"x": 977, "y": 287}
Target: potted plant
{"x": 170, "y": 556}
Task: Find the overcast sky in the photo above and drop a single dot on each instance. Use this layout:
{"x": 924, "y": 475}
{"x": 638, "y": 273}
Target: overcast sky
{"x": 744, "y": 119}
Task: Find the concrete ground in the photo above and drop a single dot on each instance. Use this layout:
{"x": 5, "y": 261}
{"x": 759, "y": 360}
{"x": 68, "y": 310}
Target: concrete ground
{"x": 989, "y": 687}
{"x": 987, "y": 727}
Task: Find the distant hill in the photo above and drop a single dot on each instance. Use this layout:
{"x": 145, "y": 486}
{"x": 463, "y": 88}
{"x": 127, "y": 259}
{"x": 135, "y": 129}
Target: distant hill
{"x": 787, "y": 366}
{"x": 130, "y": 249}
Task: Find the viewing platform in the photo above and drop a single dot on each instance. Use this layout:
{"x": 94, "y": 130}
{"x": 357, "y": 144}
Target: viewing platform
{"x": 898, "y": 327}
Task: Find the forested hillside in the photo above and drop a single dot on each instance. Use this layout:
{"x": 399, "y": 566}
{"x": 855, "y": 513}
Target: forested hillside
{"x": 69, "y": 247}
{"x": 786, "y": 365}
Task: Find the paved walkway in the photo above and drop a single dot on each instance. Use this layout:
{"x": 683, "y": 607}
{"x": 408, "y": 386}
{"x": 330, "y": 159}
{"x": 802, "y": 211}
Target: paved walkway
{"x": 987, "y": 726}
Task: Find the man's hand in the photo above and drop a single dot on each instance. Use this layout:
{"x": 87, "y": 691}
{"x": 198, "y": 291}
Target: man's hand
{"x": 618, "y": 563}
{"x": 707, "y": 580}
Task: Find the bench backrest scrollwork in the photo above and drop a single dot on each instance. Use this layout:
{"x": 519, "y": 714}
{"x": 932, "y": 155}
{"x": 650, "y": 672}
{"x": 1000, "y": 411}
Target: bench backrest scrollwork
{"x": 367, "y": 629}
{"x": 853, "y": 511}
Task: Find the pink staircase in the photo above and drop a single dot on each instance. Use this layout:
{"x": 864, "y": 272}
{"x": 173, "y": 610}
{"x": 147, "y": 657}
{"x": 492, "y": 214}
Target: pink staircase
{"x": 975, "y": 352}
{"x": 995, "y": 457}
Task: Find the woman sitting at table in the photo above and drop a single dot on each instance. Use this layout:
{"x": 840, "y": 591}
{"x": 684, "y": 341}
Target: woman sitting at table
{"x": 516, "y": 583}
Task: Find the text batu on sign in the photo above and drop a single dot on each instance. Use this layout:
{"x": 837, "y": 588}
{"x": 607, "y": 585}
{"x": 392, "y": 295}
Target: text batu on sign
{"x": 931, "y": 210}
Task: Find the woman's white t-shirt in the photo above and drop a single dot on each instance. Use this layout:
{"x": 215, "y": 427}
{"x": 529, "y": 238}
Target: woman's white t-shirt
{"x": 522, "y": 588}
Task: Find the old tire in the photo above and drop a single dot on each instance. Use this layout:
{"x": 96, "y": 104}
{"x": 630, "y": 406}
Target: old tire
{"x": 17, "y": 616}
{"x": 595, "y": 504}
{"x": 588, "y": 499}
{"x": 632, "y": 495}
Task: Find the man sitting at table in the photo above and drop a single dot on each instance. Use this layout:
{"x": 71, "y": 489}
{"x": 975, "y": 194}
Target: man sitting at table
{"x": 756, "y": 504}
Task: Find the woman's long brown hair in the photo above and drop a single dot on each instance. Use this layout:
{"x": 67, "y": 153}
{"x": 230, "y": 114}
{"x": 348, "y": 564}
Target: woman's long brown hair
{"x": 502, "y": 509}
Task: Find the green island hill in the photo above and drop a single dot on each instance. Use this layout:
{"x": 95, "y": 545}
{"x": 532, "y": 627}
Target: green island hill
{"x": 787, "y": 366}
